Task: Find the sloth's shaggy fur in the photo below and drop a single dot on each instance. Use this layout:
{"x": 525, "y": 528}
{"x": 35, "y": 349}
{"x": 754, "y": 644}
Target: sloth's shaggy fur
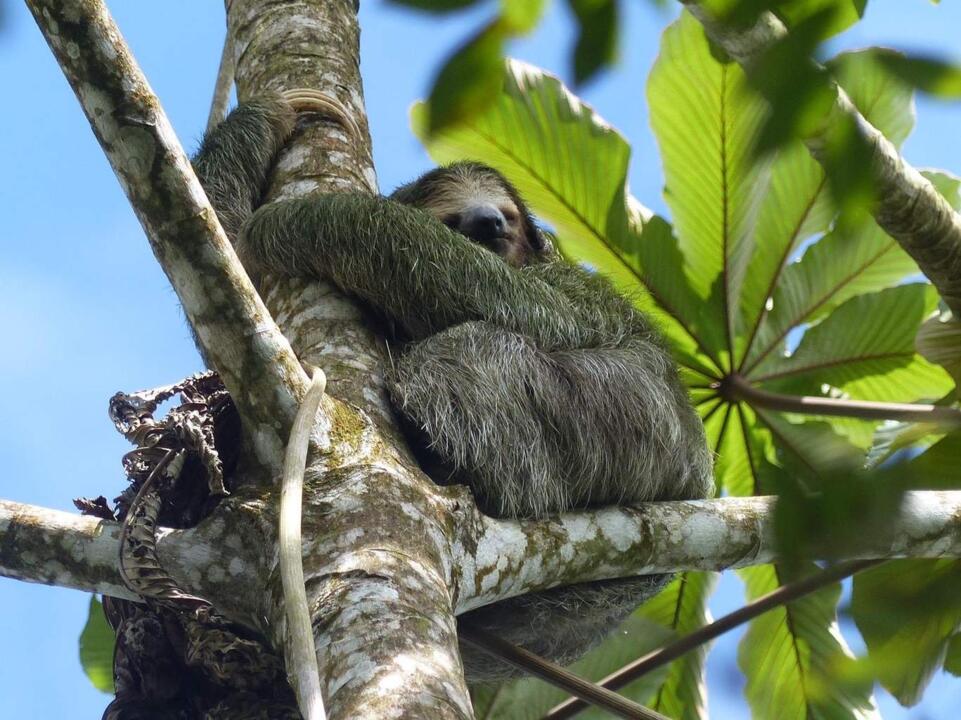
{"x": 528, "y": 379}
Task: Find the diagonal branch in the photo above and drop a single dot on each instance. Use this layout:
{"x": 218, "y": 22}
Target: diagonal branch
{"x": 908, "y": 207}
{"x": 231, "y": 323}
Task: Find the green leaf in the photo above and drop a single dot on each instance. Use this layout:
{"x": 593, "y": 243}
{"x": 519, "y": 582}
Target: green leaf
{"x": 705, "y": 119}
{"x": 907, "y": 611}
{"x": 469, "y": 80}
{"x": 530, "y": 698}
{"x": 96, "y": 648}
{"x": 682, "y": 607}
{"x": 841, "y": 265}
{"x": 521, "y": 16}
{"x": 798, "y": 206}
{"x": 928, "y": 74}
{"x": 937, "y": 467}
{"x": 596, "y": 46}
{"x": 947, "y": 184}
{"x": 571, "y": 166}
{"x": 865, "y": 348}
{"x": 939, "y": 340}
{"x": 789, "y": 654}
{"x": 952, "y": 658}
{"x": 846, "y": 13}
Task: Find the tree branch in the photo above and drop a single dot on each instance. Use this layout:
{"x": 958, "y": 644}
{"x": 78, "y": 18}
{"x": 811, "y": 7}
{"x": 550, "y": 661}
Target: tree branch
{"x": 908, "y": 207}
{"x": 52, "y": 547}
{"x": 737, "y": 387}
{"x": 232, "y": 324}
{"x": 512, "y": 557}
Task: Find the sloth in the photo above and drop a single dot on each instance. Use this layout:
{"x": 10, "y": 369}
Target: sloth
{"x": 528, "y": 379}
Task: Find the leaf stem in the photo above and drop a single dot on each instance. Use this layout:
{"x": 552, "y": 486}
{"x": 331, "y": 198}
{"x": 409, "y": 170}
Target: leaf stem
{"x": 527, "y": 661}
{"x": 736, "y": 387}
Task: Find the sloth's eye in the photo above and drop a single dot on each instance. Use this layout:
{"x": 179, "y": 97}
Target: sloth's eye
{"x": 510, "y": 214}
{"x": 451, "y": 221}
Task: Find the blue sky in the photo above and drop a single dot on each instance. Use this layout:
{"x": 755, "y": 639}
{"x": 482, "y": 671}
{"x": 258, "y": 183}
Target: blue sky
{"x": 88, "y": 312}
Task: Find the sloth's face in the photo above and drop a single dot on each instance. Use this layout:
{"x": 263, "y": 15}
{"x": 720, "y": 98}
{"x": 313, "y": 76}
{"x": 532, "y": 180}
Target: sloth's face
{"x": 479, "y": 203}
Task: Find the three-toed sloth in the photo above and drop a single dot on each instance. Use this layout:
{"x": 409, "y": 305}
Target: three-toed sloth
{"x": 527, "y": 378}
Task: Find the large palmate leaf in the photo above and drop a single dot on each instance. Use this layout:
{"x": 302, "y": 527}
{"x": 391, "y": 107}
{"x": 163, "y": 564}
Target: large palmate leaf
{"x": 866, "y": 349}
{"x": 705, "y": 120}
{"x": 797, "y": 207}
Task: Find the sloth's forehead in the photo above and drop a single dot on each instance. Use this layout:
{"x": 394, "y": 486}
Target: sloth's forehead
{"x": 461, "y": 191}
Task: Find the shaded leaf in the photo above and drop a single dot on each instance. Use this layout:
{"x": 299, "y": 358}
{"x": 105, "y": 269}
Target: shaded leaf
{"x": 788, "y": 654}
{"x": 96, "y": 648}
{"x": 928, "y": 74}
{"x": 597, "y": 30}
{"x": 469, "y": 80}
{"x": 521, "y": 16}
{"x": 952, "y": 658}
{"x": 682, "y": 607}
{"x": 937, "y": 467}
{"x": 530, "y": 698}
{"x": 907, "y": 611}
{"x": 939, "y": 340}
{"x": 846, "y": 13}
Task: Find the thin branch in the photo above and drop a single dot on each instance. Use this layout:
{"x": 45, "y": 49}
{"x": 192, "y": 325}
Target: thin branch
{"x": 299, "y": 653}
{"x": 658, "y": 658}
{"x": 232, "y": 324}
{"x": 588, "y": 692}
{"x": 908, "y": 207}
{"x": 225, "y": 81}
{"x": 737, "y": 387}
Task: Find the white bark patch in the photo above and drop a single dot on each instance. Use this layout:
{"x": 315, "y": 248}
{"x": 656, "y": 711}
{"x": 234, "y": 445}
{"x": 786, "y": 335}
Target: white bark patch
{"x": 297, "y": 189}
{"x": 580, "y": 527}
{"x": 618, "y": 529}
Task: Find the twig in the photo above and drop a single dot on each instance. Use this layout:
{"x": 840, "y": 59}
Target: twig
{"x": 738, "y": 387}
{"x": 300, "y": 653}
{"x": 653, "y": 660}
{"x": 557, "y": 676}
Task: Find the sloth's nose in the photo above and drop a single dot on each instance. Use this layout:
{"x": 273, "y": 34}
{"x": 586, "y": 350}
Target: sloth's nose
{"x": 483, "y": 224}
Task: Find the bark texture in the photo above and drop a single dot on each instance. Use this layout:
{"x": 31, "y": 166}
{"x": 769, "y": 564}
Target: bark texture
{"x": 377, "y": 556}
